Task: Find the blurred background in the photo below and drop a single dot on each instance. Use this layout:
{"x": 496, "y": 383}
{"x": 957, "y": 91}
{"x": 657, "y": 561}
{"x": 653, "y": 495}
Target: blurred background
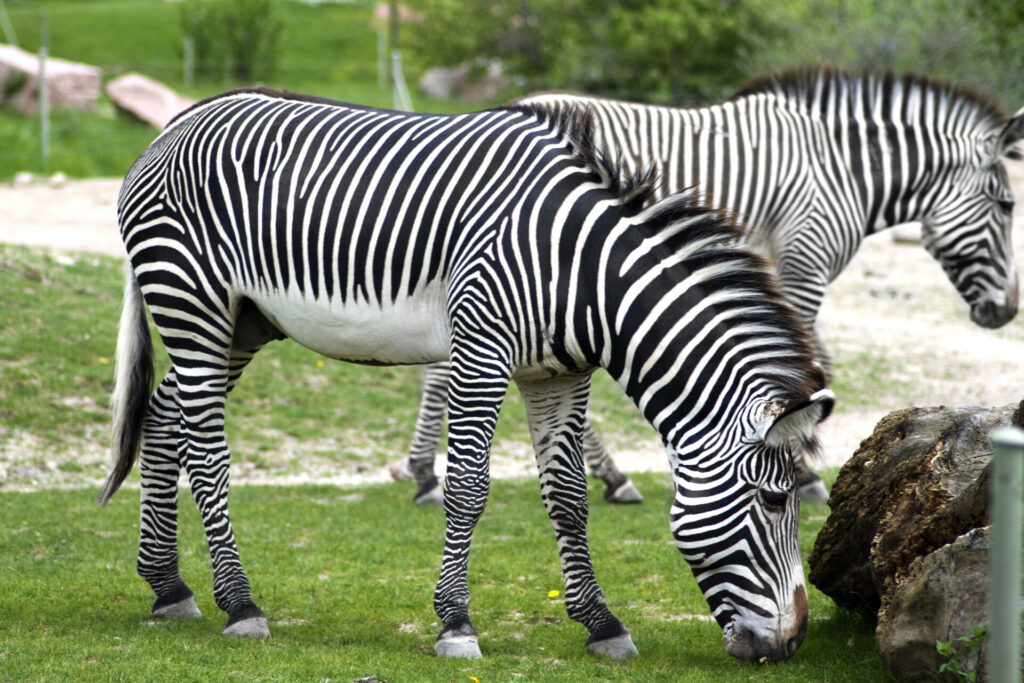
{"x": 459, "y": 55}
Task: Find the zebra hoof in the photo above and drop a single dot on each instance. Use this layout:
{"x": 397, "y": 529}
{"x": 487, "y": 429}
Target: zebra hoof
{"x": 617, "y": 647}
{"x": 256, "y": 627}
{"x": 399, "y": 470}
{"x": 624, "y": 495}
{"x": 813, "y": 491}
{"x": 458, "y": 647}
{"x": 432, "y": 496}
{"x": 183, "y": 609}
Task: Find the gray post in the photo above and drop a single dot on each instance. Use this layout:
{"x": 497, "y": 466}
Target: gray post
{"x": 400, "y": 97}
{"x": 44, "y": 93}
{"x": 1003, "y": 661}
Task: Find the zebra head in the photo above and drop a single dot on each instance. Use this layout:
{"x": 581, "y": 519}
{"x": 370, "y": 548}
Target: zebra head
{"x": 735, "y": 518}
{"x": 969, "y": 230}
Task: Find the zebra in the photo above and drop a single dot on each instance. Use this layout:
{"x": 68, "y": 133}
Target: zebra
{"x": 502, "y": 242}
{"x": 811, "y": 162}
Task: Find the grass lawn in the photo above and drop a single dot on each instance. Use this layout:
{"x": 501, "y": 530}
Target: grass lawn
{"x": 347, "y": 577}
{"x": 324, "y": 561}
{"x": 328, "y": 50}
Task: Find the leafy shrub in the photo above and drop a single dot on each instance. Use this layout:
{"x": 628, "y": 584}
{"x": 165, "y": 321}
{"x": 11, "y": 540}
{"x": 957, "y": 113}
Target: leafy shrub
{"x": 233, "y": 39}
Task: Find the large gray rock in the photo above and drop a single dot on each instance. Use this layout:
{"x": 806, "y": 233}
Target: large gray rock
{"x": 481, "y": 82}
{"x": 907, "y": 538}
{"x": 144, "y": 98}
{"x": 70, "y": 85}
{"x": 916, "y": 484}
{"x": 937, "y": 601}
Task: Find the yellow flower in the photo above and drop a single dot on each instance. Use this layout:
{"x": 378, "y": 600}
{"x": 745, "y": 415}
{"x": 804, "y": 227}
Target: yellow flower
{"x": 102, "y": 360}
{"x": 553, "y": 594}
{"x": 474, "y": 679}
{"x": 319, "y": 363}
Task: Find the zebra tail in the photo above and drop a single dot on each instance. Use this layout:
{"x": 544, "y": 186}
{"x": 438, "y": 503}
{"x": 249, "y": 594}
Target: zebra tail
{"x": 133, "y": 385}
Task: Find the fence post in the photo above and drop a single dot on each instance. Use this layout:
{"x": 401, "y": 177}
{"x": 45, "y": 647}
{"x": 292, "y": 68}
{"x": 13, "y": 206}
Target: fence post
{"x": 1003, "y": 660}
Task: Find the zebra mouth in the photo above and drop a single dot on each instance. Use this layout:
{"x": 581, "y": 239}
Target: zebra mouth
{"x": 991, "y": 315}
{"x": 743, "y": 644}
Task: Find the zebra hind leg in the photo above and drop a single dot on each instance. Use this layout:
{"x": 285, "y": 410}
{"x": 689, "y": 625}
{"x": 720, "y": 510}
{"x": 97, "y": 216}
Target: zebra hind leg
{"x": 202, "y": 398}
{"x": 617, "y": 486}
{"x": 427, "y": 436}
{"x": 159, "y": 464}
{"x": 556, "y": 410}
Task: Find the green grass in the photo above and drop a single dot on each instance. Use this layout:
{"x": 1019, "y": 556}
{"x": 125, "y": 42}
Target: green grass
{"x": 328, "y": 50}
{"x": 347, "y": 577}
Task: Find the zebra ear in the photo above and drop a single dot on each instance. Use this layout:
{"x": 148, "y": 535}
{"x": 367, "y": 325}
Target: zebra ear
{"x": 798, "y": 418}
{"x": 1009, "y": 136}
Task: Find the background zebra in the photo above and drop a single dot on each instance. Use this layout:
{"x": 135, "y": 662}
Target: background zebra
{"x": 500, "y": 240}
{"x": 811, "y": 162}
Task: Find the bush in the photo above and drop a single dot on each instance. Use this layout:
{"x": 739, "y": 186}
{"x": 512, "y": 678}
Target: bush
{"x": 233, "y": 39}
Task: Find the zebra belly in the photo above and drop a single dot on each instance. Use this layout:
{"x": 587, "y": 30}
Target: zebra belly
{"x": 409, "y": 331}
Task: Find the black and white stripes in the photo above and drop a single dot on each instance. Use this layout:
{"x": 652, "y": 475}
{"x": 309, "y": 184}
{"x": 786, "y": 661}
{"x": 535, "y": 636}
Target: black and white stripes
{"x": 499, "y": 241}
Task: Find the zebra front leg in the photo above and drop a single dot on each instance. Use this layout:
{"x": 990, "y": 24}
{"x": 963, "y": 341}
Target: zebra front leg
{"x": 617, "y": 486}
{"x": 556, "y": 410}
{"x": 159, "y": 465}
{"x": 427, "y": 437}
{"x": 476, "y": 390}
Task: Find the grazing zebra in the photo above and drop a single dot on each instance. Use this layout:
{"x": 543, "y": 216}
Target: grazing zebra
{"x": 812, "y": 162}
{"x": 501, "y": 241}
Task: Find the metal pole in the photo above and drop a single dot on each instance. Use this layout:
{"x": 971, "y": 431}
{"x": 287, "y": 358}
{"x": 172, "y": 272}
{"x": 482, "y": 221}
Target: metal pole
{"x": 1003, "y": 660}
{"x": 401, "y": 98}
{"x": 44, "y": 93}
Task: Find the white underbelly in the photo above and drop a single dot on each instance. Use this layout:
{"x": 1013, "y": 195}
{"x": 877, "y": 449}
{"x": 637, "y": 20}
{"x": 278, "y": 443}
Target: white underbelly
{"x": 410, "y": 331}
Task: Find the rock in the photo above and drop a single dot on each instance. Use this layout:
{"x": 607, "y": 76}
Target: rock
{"x": 468, "y": 83}
{"x": 146, "y": 99}
{"x": 937, "y": 601}
{"x": 70, "y": 85}
{"x": 916, "y": 484}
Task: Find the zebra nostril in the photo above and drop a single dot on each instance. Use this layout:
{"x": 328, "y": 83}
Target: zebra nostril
{"x": 792, "y": 645}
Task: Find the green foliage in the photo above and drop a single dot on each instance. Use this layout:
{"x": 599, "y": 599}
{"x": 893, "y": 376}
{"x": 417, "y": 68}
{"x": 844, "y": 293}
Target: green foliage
{"x": 233, "y": 39}
{"x": 346, "y": 578}
{"x": 956, "y": 650}
{"x": 666, "y": 50}
{"x": 946, "y": 39}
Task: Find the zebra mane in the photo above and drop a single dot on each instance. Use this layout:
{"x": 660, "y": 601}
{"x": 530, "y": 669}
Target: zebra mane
{"x": 810, "y": 84}
{"x": 683, "y": 225}
{"x": 577, "y": 124}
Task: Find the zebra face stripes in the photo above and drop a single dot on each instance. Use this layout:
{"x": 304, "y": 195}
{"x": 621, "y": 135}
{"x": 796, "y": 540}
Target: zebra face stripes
{"x": 497, "y": 240}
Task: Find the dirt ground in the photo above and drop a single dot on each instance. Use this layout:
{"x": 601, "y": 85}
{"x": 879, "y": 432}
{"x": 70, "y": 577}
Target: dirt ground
{"x": 892, "y": 311}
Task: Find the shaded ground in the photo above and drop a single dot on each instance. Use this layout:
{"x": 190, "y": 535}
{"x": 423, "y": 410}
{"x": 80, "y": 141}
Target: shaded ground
{"x": 898, "y": 330}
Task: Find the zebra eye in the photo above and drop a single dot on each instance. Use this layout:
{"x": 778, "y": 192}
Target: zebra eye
{"x": 774, "y": 500}
{"x": 1006, "y": 205}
